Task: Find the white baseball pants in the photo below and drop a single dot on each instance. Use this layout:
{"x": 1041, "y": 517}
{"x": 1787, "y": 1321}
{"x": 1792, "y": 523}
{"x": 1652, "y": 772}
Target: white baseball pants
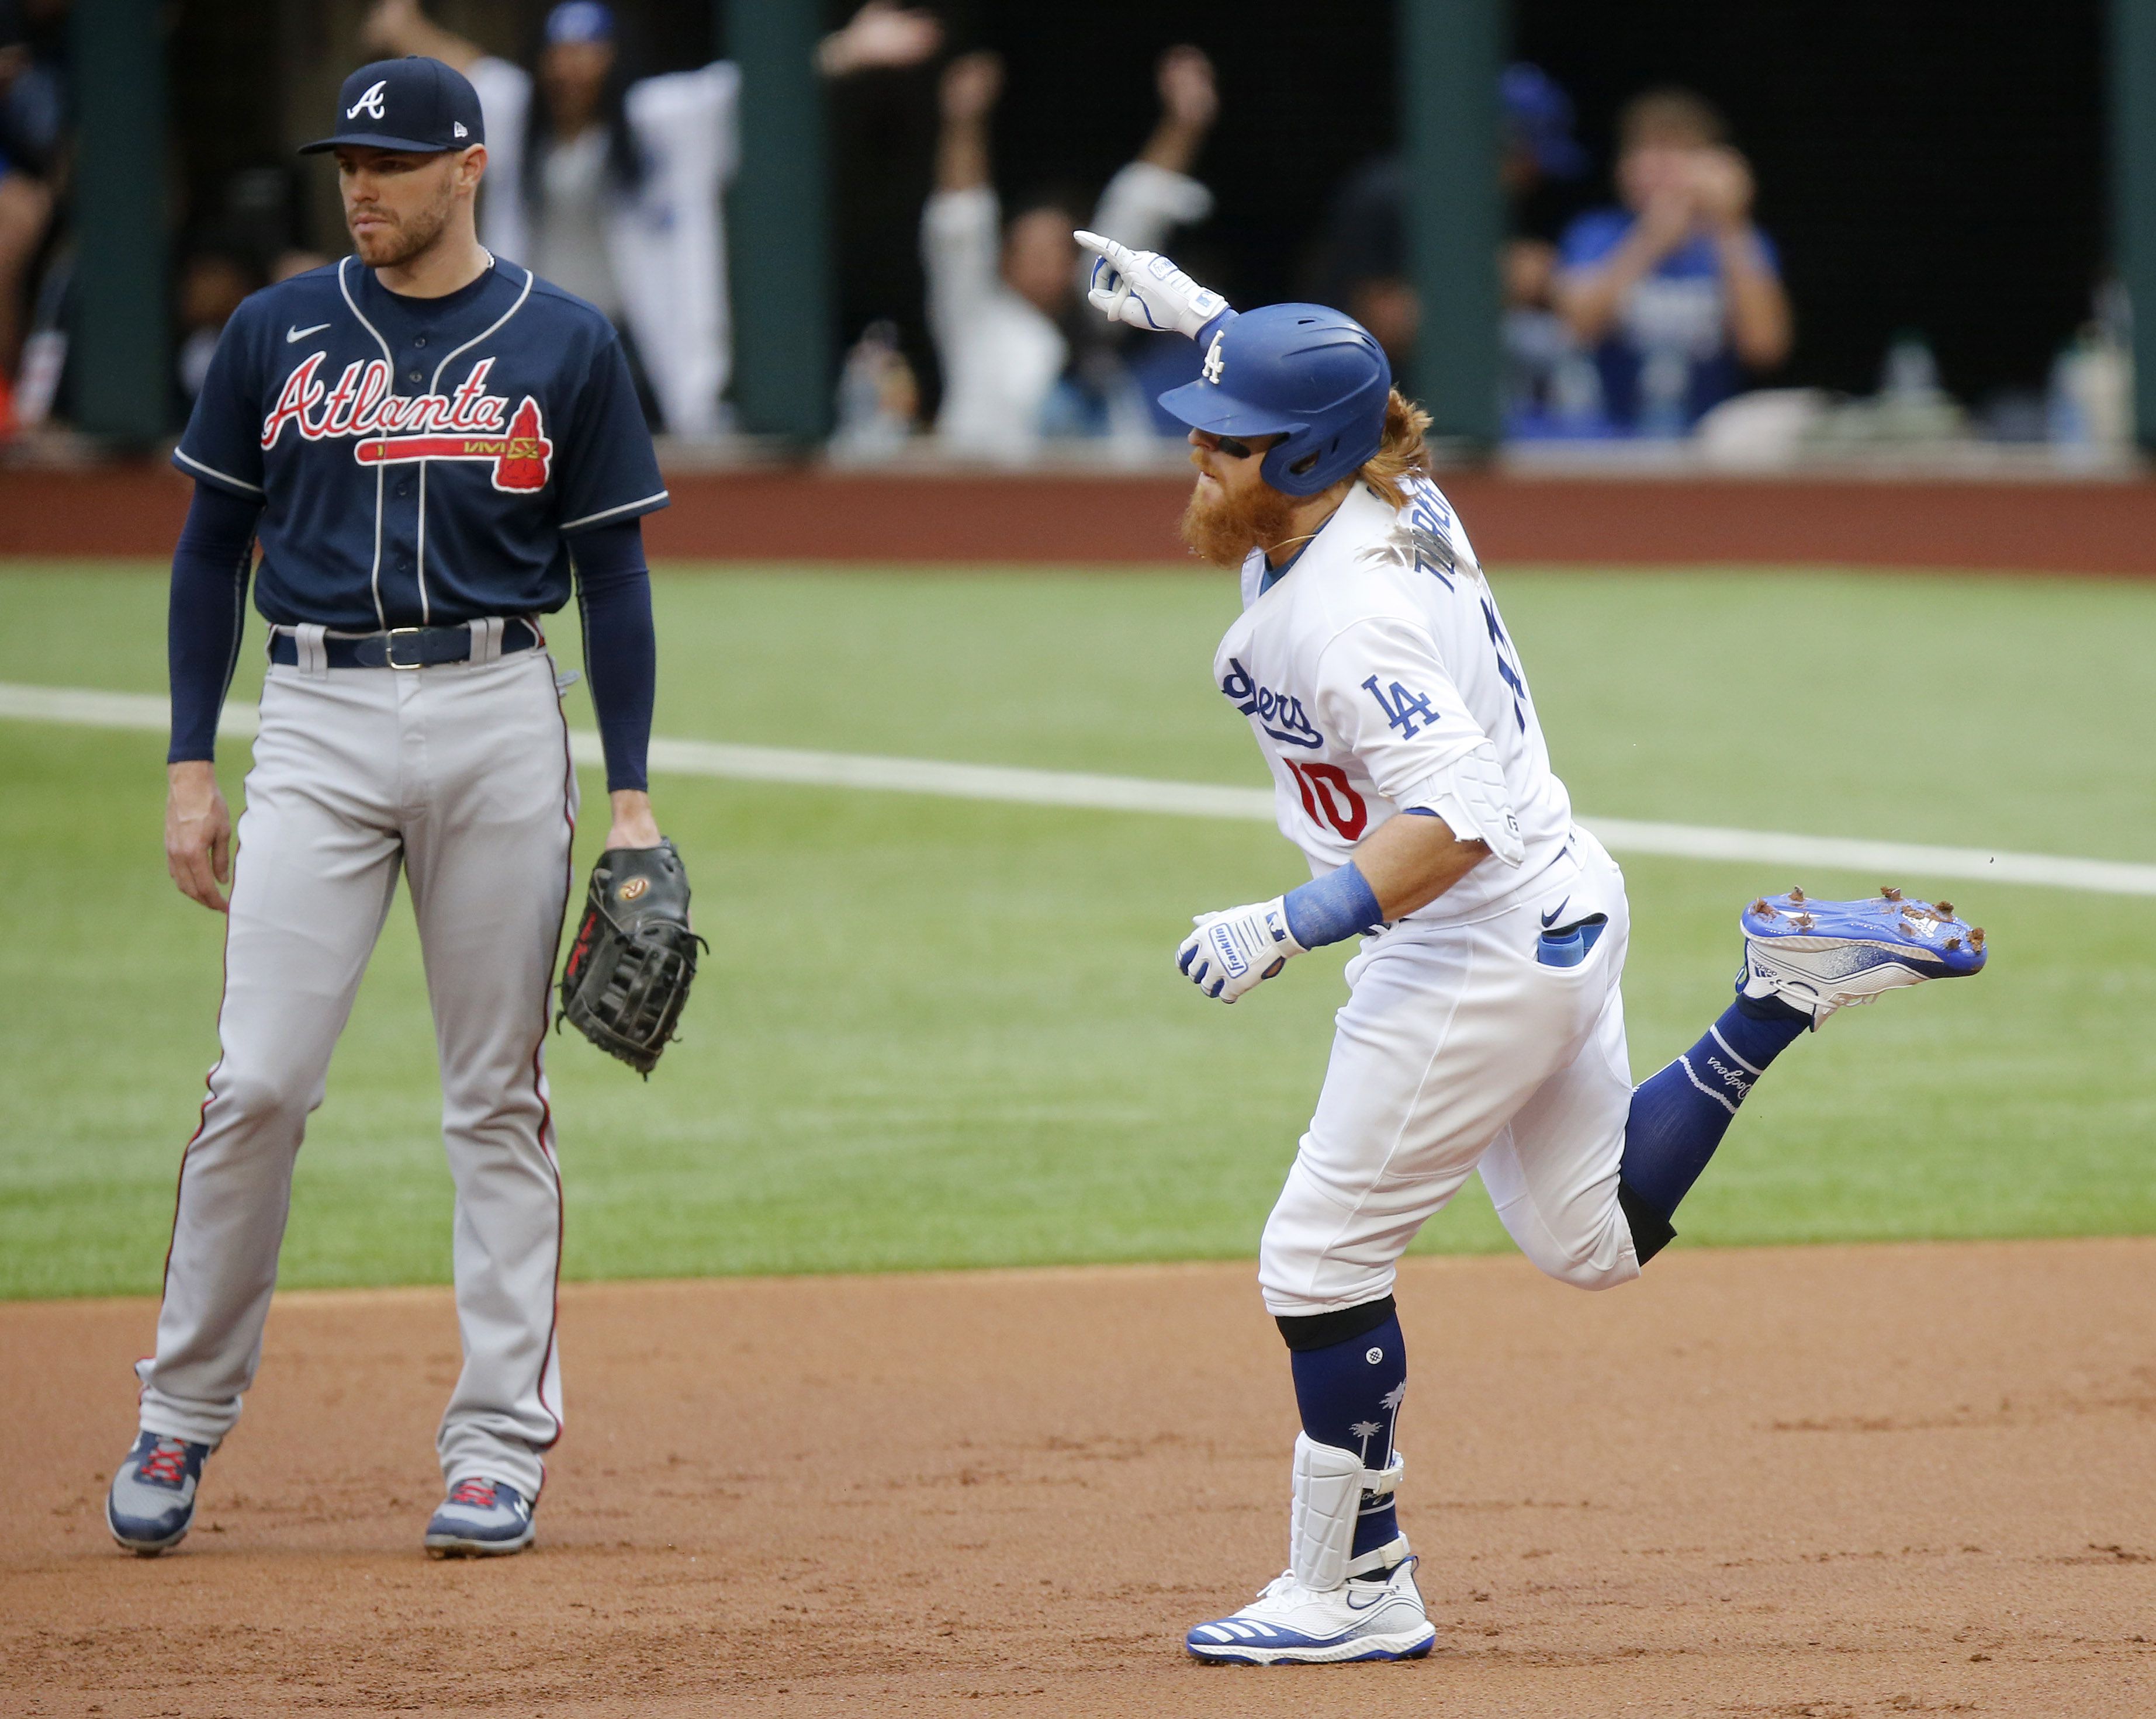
{"x": 1458, "y": 1050}
{"x": 459, "y": 776}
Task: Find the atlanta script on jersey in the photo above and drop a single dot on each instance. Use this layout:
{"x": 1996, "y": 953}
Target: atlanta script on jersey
{"x": 1373, "y": 664}
{"x": 420, "y": 461}
{"x": 467, "y": 423}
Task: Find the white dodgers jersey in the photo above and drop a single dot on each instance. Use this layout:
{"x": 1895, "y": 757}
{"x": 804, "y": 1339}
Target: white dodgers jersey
{"x": 1372, "y": 665}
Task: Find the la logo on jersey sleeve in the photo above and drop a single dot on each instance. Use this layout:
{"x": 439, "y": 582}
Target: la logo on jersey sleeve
{"x": 386, "y": 428}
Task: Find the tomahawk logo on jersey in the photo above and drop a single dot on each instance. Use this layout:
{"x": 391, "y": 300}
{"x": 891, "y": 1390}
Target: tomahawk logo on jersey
{"x": 420, "y": 460}
{"x": 1373, "y": 664}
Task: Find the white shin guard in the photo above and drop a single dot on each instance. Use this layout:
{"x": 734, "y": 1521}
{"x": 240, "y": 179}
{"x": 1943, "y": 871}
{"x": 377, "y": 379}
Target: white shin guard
{"x": 1329, "y": 1485}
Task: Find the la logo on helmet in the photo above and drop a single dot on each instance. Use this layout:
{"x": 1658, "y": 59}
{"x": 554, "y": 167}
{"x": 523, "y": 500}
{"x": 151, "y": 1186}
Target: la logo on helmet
{"x": 369, "y": 103}
{"x": 1214, "y": 364}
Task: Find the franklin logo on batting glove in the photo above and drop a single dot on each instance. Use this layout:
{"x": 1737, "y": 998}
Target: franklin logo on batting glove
{"x": 1231, "y": 952}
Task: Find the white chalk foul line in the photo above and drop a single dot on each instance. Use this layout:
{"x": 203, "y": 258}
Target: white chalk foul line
{"x": 1187, "y": 799}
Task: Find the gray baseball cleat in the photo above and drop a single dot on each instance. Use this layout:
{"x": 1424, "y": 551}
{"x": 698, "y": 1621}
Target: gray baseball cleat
{"x": 480, "y": 1519}
{"x": 152, "y": 1503}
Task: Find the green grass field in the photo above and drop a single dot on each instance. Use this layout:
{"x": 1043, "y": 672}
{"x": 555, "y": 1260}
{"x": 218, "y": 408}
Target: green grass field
{"x": 871, "y": 1079}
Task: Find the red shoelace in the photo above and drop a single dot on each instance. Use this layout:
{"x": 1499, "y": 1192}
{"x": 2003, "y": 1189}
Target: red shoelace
{"x": 478, "y": 1492}
{"x": 166, "y": 1465}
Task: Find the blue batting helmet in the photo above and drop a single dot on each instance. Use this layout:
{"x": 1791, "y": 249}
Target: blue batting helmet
{"x": 1313, "y": 375}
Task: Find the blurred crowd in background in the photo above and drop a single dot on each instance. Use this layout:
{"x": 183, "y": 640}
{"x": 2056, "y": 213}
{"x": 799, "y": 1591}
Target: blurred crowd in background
{"x": 1645, "y": 301}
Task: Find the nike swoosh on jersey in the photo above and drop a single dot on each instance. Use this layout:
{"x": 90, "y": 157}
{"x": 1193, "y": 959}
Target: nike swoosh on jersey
{"x": 293, "y": 334}
{"x": 1549, "y": 918}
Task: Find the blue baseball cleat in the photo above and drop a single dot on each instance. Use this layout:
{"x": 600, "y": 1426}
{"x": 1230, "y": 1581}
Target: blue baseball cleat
{"x": 480, "y": 1519}
{"x": 152, "y": 1503}
{"x": 1820, "y": 956}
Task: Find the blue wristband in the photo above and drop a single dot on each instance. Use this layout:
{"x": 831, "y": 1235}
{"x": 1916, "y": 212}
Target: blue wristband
{"x": 1328, "y": 909}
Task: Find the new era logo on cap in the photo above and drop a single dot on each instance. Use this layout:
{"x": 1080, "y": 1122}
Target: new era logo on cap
{"x": 417, "y": 105}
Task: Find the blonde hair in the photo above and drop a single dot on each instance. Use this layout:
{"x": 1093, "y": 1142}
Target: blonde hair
{"x": 1401, "y": 454}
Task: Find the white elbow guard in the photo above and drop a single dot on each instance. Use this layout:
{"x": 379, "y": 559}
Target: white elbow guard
{"x": 1470, "y": 796}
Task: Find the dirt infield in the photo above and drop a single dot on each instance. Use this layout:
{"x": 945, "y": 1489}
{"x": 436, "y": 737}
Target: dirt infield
{"x": 1829, "y": 1482}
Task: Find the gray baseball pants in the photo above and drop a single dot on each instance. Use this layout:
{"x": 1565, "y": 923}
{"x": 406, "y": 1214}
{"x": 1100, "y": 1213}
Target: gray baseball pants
{"x": 458, "y": 775}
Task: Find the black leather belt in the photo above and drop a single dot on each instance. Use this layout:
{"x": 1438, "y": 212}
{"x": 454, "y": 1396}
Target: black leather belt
{"x": 402, "y": 647}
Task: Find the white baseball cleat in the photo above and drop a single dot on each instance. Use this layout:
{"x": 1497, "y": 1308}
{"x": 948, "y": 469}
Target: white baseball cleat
{"x": 1292, "y": 1624}
{"x": 1820, "y": 956}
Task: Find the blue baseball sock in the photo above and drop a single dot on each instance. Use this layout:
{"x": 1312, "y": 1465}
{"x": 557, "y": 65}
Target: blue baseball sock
{"x": 1348, "y": 1390}
{"x": 1680, "y": 1115}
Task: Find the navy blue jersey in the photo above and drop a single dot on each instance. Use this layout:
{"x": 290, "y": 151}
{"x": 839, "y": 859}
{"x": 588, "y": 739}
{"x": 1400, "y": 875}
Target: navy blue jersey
{"x": 420, "y": 462}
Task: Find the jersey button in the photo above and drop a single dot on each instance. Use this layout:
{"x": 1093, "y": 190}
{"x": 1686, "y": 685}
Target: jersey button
{"x": 413, "y": 374}
{"x": 419, "y": 340}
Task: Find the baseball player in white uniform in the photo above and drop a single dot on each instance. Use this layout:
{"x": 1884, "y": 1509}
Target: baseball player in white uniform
{"x": 1484, "y": 1028}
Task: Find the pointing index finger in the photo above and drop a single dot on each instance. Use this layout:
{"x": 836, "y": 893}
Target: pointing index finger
{"x": 1120, "y": 255}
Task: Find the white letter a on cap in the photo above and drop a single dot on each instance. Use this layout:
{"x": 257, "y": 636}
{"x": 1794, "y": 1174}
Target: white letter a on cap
{"x": 369, "y": 103}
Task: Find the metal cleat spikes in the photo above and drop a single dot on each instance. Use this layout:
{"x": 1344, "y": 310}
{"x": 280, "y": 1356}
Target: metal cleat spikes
{"x": 1822, "y": 955}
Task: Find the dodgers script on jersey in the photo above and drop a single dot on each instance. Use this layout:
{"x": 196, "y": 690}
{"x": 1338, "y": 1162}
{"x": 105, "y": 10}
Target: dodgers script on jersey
{"x": 1373, "y": 663}
{"x": 420, "y": 461}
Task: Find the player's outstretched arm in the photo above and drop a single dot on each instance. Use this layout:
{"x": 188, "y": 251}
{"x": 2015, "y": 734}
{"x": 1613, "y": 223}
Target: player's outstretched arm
{"x": 1146, "y": 290}
{"x": 1408, "y": 862}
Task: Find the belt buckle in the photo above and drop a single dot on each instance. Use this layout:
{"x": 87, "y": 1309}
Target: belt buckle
{"x": 390, "y": 646}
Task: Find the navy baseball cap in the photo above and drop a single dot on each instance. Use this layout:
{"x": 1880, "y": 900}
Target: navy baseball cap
{"x": 416, "y": 104}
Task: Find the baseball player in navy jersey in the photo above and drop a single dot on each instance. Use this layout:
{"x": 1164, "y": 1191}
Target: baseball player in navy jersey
{"x": 1484, "y": 1030}
{"x": 431, "y": 447}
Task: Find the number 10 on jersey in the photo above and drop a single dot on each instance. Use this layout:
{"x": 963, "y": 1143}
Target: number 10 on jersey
{"x": 1330, "y": 798}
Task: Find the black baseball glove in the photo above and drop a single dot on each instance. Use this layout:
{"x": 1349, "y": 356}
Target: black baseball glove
{"x": 633, "y": 958}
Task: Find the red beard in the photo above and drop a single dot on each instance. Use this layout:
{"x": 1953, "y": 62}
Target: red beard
{"x": 1224, "y": 530}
